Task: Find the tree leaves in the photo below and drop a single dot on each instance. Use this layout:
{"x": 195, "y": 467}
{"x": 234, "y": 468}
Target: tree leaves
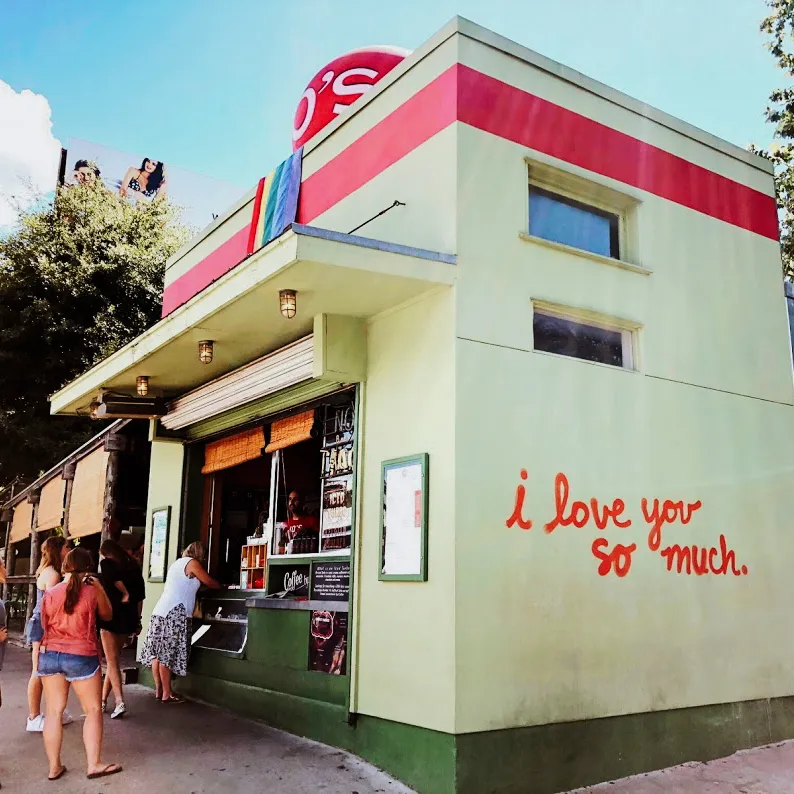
{"x": 779, "y": 27}
{"x": 78, "y": 280}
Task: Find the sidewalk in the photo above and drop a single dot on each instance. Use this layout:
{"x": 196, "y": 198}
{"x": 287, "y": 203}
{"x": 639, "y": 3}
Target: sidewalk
{"x": 762, "y": 770}
{"x": 181, "y": 749}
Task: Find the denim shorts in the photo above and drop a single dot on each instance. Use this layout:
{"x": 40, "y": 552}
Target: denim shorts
{"x": 70, "y": 665}
{"x": 34, "y": 631}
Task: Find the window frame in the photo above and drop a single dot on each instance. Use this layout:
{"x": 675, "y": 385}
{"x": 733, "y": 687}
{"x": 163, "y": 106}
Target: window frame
{"x": 593, "y": 193}
{"x": 628, "y": 333}
{"x": 616, "y": 219}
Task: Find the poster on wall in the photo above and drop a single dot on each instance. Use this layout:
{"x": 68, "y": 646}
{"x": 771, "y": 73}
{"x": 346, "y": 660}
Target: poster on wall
{"x": 144, "y": 178}
{"x": 328, "y": 642}
{"x": 158, "y": 551}
{"x": 404, "y": 519}
{"x": 331, "y": 581}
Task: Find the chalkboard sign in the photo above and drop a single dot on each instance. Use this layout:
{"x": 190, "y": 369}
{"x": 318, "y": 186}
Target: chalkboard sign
{"x": 331, "y": 581}
{"x": 289, "y": 581}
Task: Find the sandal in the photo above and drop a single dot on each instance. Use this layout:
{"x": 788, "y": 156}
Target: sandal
{"x": 104, "y": 706}
{"x": 110, "y": 769}
{"x": 174, "y": 699}
{"x": 59, "y": 775}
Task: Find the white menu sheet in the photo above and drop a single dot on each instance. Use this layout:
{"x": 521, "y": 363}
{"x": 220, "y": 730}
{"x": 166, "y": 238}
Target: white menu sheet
{"x": 402, "y": 552}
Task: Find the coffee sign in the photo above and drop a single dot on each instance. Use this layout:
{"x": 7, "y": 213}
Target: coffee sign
{"x": 290, "y": 580}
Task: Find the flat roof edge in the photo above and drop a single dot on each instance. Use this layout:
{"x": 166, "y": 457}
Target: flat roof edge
{"x": 377, "y": 245}
{"x": 487, "y": 37}
{"x": 202, "y": 234}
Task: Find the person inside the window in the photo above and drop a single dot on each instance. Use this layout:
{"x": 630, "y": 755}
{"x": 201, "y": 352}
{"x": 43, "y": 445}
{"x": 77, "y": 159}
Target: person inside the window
{"x": 300, "y": 524}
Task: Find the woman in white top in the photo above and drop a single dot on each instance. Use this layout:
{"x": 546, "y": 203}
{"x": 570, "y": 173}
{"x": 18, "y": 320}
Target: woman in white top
{"x": 167, "y": 642}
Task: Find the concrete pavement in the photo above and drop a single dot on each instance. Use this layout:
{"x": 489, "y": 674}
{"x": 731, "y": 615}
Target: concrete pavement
{"x": 181, "y": 749}
{"x": 762, "y": 770}
{"x": 195, "y": 749}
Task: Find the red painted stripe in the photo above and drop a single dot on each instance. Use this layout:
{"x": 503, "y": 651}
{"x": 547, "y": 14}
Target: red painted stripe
{"x": 463, "y": 94}
{"x": 226, "y": 256}
{"x": 421, "y": 117}
{"x": 508, "y": 112}
{"x": 260, "y": 189}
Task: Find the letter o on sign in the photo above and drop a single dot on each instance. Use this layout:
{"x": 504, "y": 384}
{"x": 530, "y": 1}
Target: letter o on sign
{"x": 338, "y": 85}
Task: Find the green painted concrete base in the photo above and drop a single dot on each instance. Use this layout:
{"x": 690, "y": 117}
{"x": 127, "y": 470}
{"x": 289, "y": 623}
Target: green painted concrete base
{"x": 544, "y": 759}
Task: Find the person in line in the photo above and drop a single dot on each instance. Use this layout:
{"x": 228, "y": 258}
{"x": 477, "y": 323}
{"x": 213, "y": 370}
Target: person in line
{"x": 3, "y": 622}
{"x": 3, "y": 626}
{"x": 70, "y": 657}
{"x": 123, "y": 583}
{"x": 148, "y": 180}
{"x": 48, "y": 575}
{"x": 167, "y": 643}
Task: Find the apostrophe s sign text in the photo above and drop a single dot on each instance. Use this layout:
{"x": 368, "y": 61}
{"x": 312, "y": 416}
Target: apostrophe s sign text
{"x": 338, "y": 85}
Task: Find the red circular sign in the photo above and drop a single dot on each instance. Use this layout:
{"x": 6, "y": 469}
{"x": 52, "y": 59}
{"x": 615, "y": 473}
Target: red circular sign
{"x": 339, "y": 85}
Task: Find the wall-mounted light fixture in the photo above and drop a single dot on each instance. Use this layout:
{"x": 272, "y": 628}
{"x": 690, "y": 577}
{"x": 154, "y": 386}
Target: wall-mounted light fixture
{"x": 142, "y": 385}
{"x": 288, "y": 303}
{"x": 206, "y": 351}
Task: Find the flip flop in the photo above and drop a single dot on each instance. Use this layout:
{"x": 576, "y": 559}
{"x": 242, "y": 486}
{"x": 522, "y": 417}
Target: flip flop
{"x": 59, "y": 775}
{"x": 174, "y": 699}
{"x": 110, "y": 769}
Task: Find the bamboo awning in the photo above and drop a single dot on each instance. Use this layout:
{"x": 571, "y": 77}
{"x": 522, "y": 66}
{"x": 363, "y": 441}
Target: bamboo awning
{"x": 87, "y": 505}
{"x": 292, "y": 430}
{"x": 50, "y": 514}
{"x": 234, "y": 450}
{"x": 21, "y": 523}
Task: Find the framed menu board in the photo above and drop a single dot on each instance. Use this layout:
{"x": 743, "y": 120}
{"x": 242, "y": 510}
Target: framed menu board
{"x": 158, "y": 553}
{"x": 403, "y": 555}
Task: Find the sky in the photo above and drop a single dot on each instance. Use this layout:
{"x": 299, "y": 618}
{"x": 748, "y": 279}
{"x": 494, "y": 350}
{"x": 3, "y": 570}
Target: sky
{"x": 212, "y": 87}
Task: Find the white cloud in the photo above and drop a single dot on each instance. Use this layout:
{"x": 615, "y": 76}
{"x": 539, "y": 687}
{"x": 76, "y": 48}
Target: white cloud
{"x": 29, "y": 154}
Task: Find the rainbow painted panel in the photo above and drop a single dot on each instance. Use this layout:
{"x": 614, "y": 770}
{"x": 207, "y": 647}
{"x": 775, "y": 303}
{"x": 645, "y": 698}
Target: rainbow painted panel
{"x": 276, "y": 202}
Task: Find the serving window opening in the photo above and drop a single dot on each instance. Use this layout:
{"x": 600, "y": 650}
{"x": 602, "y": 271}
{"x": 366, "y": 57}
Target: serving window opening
{"x": 283, "y": 490}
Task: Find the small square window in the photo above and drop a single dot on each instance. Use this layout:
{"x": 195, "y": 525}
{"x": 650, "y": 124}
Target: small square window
{"x": 560, "y": 219}
{"x": 590, "y": 341}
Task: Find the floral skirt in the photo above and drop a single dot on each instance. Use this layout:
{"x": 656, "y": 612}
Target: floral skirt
{"x": 168, "y": 641}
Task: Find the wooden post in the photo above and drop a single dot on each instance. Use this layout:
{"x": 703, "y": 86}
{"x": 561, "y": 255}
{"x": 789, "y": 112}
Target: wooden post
{"x": 68, "y": 475}
{"x": 115, "y": 444}
{"x": 35, "y": 553}
{"x": 6, "y": 549}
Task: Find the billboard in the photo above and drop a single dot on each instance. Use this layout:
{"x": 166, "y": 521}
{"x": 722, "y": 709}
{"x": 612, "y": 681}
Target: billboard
{"x": 142, "y": 178}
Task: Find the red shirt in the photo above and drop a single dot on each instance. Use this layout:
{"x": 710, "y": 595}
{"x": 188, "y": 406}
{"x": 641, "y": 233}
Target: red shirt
{"x": 75, "y": 633}
{"x": 295, "y": 525}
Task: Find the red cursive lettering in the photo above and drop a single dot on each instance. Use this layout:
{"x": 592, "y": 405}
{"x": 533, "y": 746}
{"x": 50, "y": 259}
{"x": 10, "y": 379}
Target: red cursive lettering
{"x": 619, "y": 559}
{"x": 665, "y": 513}
{"x": 580, "y": 513}
{"x": 689, "y": 559}
{"x": 517, "y": 516}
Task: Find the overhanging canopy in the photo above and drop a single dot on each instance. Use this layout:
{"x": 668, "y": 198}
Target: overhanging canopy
{"x": 333, "y": 274}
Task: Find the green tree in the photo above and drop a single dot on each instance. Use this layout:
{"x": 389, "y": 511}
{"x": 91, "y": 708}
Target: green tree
{"x": 78, "y": 280}
{"x": 779, "y": 27}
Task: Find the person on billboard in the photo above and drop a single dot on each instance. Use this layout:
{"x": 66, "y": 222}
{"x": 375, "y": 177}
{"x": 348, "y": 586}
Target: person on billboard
{"x": 148, "y": 180}
{"x": 84, "y": 172}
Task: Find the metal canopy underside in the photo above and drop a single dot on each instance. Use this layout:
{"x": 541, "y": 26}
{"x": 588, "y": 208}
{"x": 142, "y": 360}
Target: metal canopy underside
{"x": 332, "y": 273}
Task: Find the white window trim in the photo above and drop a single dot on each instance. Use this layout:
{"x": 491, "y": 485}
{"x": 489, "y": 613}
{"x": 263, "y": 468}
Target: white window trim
{"x": 628, "y": 331}
{"x": 595, "y": 195}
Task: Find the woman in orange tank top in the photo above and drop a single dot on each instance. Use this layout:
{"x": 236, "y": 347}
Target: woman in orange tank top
{"x": 69, "y": 656}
